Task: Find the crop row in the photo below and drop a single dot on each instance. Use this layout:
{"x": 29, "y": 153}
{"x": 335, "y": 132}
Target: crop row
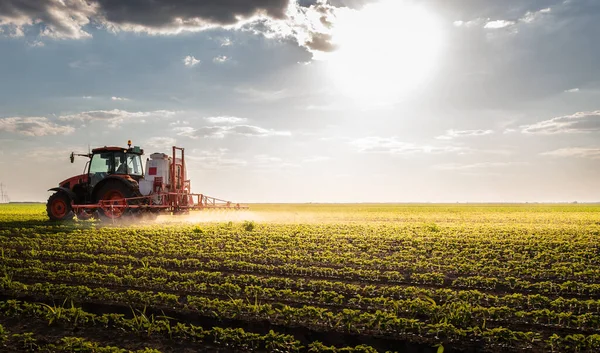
{"x": 379, "y": 323}
{"x": 148, "y": 325}
{"x": 410, "y": 252}
{"x": 343, "y": 291}
{"x": 507, "y": 284}
{"x": 459, "y": 313}
{"x": 27, "y": 342}
{"x": 459, "y": 252}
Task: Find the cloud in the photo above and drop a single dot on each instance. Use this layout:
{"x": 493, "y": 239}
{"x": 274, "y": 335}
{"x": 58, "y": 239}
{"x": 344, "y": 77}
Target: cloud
{"x": 114, "y": 118}
{"x": 36, "y": 44}
{"x": 227, "y": 125}
{"x": 225, "y": 42}
{"x": 179, "y": 122}
{"x": 248, "y": 130}
{"x": 316, "y": 159}
{"x": 308, "y": 25}
{"x": 173, "y": 16}
{"x": 452, "y": 134}
{"x": 87, "y": 97}
{"x": 33, "y": 126}
{"x": 468, "y": 24}
{"x": 225, "y": 119}
{"x": 264, "y": 162}
{"x": 220, "y": 59}
{"x": 579, "y": 152}
{"x": 186, "y": 131}
{"x": 214, "y": 159}
{"x": 57, "y": 19}
{"x": 67, "y": 18}
{"x": 263, "y": 158}
{"x": 532, "y": 16}
{"x": 499, "y": 24}
{"x": 329, "y": 107}
{"x": 572, "y": 90}
{"x": 163, "y": 143}
{"x": 391, "y": 145}
{"x": 222, "y": 131}
{"x": 89, "y": 63}
{"x": 476, "y": 166}
{"x": 580, "y": 122}
{"x": 321, "y": 42}
{"x": 257, "y": 95}
{"x": 190, "y": 61}
{"x": 119, "y": 98}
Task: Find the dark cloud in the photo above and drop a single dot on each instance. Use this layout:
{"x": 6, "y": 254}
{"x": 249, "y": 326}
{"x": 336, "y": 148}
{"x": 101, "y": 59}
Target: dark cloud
{"x": 306, "y": 22}
{"x": 168, "y": 13}
{"x": 321, "y": 42}
{"x": 64, "y": 19}
{"x": 307, "y": 3}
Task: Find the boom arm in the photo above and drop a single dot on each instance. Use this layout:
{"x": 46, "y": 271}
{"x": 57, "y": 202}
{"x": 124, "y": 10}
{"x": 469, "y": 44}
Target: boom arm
{"x": 73, "y": 154}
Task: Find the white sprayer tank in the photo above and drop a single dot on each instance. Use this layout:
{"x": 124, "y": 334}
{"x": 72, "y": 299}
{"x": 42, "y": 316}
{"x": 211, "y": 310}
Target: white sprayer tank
{"x": 156, "y": 166}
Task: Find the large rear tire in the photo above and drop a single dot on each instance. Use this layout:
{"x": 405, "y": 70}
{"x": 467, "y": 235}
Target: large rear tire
{"x": 114, "y": 191}
{"x": 58, "y": 207}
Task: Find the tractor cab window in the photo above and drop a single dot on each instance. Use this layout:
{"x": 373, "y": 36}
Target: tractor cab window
{"x": 128, "y": 163}
{"x": 134, "y": 164}
{"x": 100, "y": 166}
{"x": 101, "y": 163}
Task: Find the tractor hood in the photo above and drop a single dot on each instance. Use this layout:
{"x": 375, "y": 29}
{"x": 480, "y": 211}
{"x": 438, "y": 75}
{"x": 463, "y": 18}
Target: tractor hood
{"x": 72, "y": 181}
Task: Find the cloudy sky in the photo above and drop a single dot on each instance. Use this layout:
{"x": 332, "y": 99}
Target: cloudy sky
{"x": 310, "y": 100}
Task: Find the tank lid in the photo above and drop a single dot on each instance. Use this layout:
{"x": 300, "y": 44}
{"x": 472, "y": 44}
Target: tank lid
{"x": 159, "y": 156}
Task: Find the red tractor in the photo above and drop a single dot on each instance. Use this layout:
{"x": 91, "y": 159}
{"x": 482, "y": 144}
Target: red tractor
{"x": 115, "y": 184}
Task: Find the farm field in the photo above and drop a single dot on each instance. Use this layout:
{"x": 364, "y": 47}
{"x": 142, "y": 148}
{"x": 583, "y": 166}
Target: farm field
{"x": 305, "y": 278}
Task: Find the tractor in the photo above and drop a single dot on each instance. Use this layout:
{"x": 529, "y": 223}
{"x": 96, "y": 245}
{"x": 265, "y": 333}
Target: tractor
{"x": 116, "y": 185}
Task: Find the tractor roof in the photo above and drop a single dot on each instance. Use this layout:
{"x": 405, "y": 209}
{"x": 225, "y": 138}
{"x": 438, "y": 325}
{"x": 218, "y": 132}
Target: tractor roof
{"x": 118, "y": 149}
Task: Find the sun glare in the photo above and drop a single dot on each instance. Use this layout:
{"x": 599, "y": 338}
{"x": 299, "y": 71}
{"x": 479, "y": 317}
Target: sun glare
{"x": 384, "y": 51}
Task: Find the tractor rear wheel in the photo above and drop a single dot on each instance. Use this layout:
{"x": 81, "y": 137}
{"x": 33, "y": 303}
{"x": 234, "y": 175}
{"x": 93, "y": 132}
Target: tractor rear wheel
{"x": 113, "y": 193}
{"x": 59, "y": 207}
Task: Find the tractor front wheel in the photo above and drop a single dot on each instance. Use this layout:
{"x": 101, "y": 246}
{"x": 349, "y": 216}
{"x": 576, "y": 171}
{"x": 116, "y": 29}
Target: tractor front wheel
{"x": 59, "y": 207}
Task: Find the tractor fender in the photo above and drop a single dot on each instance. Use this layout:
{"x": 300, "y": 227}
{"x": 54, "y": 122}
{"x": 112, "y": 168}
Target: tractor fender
{"x": 70, "y": 193}
{"x": 128, "y": 181}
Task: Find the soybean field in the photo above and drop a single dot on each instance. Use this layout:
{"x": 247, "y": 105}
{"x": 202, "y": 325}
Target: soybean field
{"x": 305, "y": 278}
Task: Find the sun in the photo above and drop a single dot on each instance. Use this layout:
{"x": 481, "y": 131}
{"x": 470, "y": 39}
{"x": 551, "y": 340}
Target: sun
{"x": 384, "y": 51}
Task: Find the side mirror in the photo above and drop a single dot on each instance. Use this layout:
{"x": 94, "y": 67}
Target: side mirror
{"x": 72, "y": 157}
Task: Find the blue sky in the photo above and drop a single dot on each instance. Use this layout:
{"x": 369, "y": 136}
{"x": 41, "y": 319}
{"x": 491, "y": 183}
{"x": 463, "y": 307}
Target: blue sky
{"x": 300, "y": 101}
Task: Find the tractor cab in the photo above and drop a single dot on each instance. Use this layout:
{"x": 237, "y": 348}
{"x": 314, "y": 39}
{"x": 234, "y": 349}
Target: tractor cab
{"x": 107, "y": 161}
